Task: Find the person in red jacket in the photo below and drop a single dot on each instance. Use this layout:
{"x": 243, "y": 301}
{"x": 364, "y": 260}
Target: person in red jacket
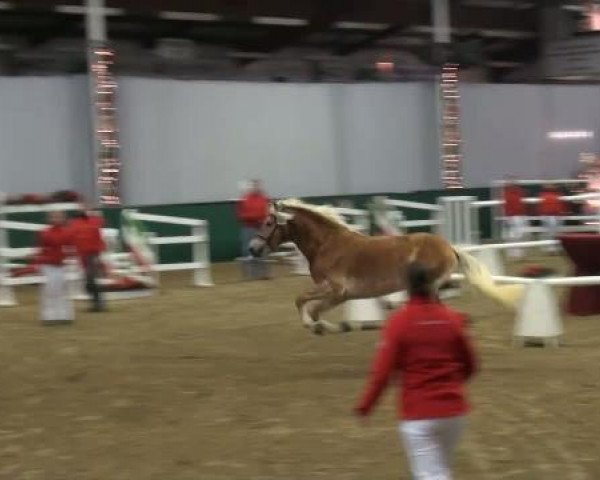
{"x": 54, "y": 244}
{"x": 86, "y": 230}
{"x": 252, "y": 211}
{"x": 425, "y": 346}
{"x": 515, "y": 211}
{"x": 551, "y": 208}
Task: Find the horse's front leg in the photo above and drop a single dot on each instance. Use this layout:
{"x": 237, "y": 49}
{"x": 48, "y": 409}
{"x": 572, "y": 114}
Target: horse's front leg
{"x": 319, "y": 307}
{"x": 302, "y": 303}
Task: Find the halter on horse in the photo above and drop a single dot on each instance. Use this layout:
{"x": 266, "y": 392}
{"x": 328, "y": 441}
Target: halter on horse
{"x": 348, "y": 265}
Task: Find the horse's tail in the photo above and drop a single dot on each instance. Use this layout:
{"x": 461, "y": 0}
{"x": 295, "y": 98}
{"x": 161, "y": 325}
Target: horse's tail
{"x": 478, "y": 275}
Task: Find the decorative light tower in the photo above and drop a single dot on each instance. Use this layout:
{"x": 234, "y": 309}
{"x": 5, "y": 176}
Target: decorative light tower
{"x": 103, "y": 91}
{"x": 451, "y": 151}
{"x": 447, "y": 97}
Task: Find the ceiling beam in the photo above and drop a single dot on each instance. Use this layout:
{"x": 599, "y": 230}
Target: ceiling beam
{"x": 43, "y": 4}
{"x": 152, "y": 7}
{"x": 414, "y": 12}
{"x": 507, "y": 4}
{"x": 38, "y": 26}
{"x": 490, "y": 18}
{"x": 231, "y": 10}
{"x": 323, "y": 15}
{"x": 521, "y": 52}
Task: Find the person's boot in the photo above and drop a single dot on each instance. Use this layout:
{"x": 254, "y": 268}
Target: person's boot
{"x": 97, "y": 306}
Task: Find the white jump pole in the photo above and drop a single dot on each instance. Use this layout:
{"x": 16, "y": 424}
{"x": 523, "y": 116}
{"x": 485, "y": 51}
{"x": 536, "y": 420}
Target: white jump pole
{"x": 538, "y": 315}
{"x": 364, "y": 311}
{"x": 201, "y": 256}
{"x": 456, "y": 219}
{"x": 7, "y": 294}
{"x": 156, "y": 252}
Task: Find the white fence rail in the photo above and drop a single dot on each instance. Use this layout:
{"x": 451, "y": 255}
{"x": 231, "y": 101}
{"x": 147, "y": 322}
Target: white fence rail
{"x": 457, "y": 217}
{"x": 496, "y": 204}
{"x": 198, "y": 239}
{"x": 7, "y": 283}
{"x": 451, "y": 217}
{"x": 409, "y": 204}
{"x": 356, "y": 218}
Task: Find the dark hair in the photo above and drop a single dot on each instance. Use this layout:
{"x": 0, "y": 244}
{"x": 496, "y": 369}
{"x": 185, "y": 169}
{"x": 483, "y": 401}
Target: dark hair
{"x": 418, "y": 279}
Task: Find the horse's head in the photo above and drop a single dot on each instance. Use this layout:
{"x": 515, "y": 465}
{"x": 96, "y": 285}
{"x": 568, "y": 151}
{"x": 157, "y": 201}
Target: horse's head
{"x": 272, "y": 233}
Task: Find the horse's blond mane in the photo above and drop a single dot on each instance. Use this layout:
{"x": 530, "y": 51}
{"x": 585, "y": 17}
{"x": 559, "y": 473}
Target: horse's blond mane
{"x": 325, "y": 211}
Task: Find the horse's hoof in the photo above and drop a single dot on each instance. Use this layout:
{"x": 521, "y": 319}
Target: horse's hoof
{"x": 318, "y": 329}
{"x": 345, "y": 327}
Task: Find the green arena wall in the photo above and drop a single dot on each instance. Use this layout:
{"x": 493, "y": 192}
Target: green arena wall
{"x": 225, "y": 229}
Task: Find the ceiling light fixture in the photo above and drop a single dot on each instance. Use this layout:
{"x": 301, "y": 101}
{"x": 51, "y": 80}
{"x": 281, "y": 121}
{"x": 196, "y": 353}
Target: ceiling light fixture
{"x": 81, "y": 10}
{"x": 570, "y": 135}
{"x": 360, "y": 25}
{"x": 281, "y": 21}
{"x": 190, "y": 16}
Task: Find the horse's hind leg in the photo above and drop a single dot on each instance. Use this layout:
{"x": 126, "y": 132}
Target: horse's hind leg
{"x": 443, "y": 281}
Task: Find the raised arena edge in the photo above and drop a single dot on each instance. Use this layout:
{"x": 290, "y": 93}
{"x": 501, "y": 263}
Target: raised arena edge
{"x": 224, "y": 227}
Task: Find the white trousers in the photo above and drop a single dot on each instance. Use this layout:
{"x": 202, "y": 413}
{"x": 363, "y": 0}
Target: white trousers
{"x": 515, "y": 231}
{"x": 56, "y": 304}
{"x": 430, "y": 445}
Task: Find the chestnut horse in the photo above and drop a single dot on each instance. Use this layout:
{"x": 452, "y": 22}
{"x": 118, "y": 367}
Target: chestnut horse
{"x": 345, "y": 264}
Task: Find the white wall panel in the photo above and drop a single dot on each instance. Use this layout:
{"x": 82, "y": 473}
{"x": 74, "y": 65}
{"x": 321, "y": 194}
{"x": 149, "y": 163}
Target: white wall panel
{"x": 193, "y": 141}
{"x": 44, "y": 143}
{"x": 389, "y": 137}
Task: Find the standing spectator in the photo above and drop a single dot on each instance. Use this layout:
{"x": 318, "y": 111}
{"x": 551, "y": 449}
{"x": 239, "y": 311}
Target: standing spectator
{"x": 86, "y": 230}
{"x": 252, "y": 211}
{"x": 551, "y": 208}
{"x": 54, "y": 243}
{"x": 515, "y": 220}
{"x": 426, "y": 346}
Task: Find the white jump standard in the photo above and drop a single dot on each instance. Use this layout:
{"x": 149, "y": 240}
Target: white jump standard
{"x": 451, "y": 217}
{"x": 198, "y": 239}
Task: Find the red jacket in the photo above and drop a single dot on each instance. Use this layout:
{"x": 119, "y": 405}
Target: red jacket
{"x": 253, "y": 209}
{"x": 513, "y": 201}
{"x": 53, "y": 242}
{"x": 426, "y": 344}
{"x": 87, "y": 235}
{"x": 551, "y": 203}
